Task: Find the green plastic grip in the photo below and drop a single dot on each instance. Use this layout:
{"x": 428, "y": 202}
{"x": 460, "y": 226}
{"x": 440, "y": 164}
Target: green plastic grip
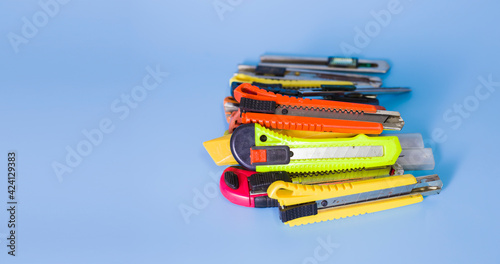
{"x": 390, "y": 144}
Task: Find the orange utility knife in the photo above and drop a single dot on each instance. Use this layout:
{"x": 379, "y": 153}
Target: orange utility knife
{"x": 273, "y": 110}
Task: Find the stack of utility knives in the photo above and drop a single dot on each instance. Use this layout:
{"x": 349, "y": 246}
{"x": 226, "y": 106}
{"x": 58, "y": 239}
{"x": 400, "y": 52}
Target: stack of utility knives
{"x": 306, "y": 134}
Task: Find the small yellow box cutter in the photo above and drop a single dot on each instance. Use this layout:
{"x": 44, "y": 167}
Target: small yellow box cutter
{"x": 304, "y": 204}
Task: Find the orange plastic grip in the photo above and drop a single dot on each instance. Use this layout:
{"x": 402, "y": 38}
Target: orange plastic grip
{"x": 234, "y": 121}
{"x": 253, "y": 92}
{"x": 312, "y": 123}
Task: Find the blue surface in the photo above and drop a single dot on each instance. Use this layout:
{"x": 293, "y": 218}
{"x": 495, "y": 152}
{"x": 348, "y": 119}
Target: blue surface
{"x": 121, "y": 203}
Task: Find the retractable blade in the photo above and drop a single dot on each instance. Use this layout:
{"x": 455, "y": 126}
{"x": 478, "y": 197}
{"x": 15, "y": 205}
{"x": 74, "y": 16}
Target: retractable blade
{"x": 390, "y": 120}
{"x": 426, "y": 185}
{"x": 336, "y": 152}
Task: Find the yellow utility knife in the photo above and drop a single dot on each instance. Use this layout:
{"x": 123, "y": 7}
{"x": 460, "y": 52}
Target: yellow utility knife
{"x": 305, "y": 204}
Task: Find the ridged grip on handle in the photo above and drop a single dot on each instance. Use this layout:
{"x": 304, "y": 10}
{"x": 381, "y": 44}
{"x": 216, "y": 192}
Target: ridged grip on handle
{"x": 291, "y": 193}
{"x": 265, "y": 202}
{"x": 357, "y": 209}
{"x": 312, "y": 123}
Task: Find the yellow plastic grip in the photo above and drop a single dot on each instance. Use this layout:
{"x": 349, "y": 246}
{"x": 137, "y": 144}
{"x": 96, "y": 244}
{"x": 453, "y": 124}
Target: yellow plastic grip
{"x": 357, "y": 209}
{"x": 291, "y": 193}
{"x": 243, "y": 78}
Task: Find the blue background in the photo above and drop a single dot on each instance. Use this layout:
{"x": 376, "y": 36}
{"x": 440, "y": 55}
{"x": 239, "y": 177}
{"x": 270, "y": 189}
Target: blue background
{"x": 121, "y": 203}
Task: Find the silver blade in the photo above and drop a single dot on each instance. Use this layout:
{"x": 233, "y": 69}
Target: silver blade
{"x": 426, "y": 185}
{"x": 393, "y": 119}
{"x": 337, "y": 152}
{"x": 389, "y": 119}
{"x": 231, "y": 107}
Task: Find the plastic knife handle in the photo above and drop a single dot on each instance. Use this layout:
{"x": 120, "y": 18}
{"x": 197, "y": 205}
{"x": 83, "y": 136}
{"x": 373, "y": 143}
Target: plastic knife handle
{"x": 248, "y": 137}
{"x": 291, "y": 193}
{"x": 357, "y": 209}
{"x": 312, "y": 123}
